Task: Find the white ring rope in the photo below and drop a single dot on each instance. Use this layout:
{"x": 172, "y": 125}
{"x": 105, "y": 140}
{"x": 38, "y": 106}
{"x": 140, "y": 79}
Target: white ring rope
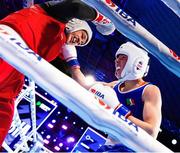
{"x": 174, "y": 5}
{"x": 134, "y": 31}
{"x": 72, "y": 95}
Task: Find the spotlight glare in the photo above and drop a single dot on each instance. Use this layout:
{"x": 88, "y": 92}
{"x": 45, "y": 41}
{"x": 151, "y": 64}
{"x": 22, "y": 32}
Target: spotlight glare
{"x": 48, "y": 136}
{"x": 46, "y": 141}
{"x": 60, "y": 144}
{"x": 57, "y": 148}
{"x": 174, "y": 141}
{"x": 70, "y": 139}
{"x": 50, "y": 125}
{"x": 53, "y": 121}
{"x": 64, "y": 127}
{"x": 89, "y": 80}
{"x": 67, "y": 148}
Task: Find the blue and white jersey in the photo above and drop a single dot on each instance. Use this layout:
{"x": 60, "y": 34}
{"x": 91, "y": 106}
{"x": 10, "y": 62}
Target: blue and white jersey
{"x": 132, "y": 99}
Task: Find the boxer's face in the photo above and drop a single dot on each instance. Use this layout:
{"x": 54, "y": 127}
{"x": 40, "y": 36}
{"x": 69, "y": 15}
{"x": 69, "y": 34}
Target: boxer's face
{"x": 77, "y": 38}
{"x": 120, "y": 63}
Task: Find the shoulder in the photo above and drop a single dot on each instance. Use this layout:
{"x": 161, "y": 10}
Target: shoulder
{"x": 151, "y": 92}
{"x": 150, "y": 88}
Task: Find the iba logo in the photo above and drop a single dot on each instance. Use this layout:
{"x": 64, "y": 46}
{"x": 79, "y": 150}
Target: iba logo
{"x": 100, "y": 97}
{"x": 120, "y": 12}
{"x": 97, "y": 93}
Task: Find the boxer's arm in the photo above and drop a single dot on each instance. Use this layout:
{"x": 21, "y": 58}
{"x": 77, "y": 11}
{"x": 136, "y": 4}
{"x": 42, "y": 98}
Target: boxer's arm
{"x": 70, "y": 56}
{"x": 151, "y": 111}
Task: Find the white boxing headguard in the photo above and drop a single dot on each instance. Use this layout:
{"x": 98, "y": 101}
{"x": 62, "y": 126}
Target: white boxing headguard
{"x": 76, "y": 24}
{"x": 137, "y": 64}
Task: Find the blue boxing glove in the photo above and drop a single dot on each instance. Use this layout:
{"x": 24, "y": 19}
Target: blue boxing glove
{"x": 122, "y": 110}
{"x": 70, "y": 55}
{"x": 103, "y": 24}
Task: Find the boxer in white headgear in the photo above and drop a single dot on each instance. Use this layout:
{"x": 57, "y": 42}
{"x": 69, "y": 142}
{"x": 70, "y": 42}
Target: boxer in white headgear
{"x": 136, "y": 99}
{"x": 137, "y": 64}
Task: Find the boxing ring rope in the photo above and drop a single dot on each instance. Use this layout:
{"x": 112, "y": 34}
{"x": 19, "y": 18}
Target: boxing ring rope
{"x": 74, "y": 96}
{"x": 174, "y": 5}
{"x": 134, "y": 31}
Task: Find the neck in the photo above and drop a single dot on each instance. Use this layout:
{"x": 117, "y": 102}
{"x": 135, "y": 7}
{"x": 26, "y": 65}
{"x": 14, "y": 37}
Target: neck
{"x": 131, "y": 84}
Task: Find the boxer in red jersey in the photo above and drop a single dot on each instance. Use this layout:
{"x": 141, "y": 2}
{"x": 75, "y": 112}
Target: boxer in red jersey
{"x": 50, "y": 29}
